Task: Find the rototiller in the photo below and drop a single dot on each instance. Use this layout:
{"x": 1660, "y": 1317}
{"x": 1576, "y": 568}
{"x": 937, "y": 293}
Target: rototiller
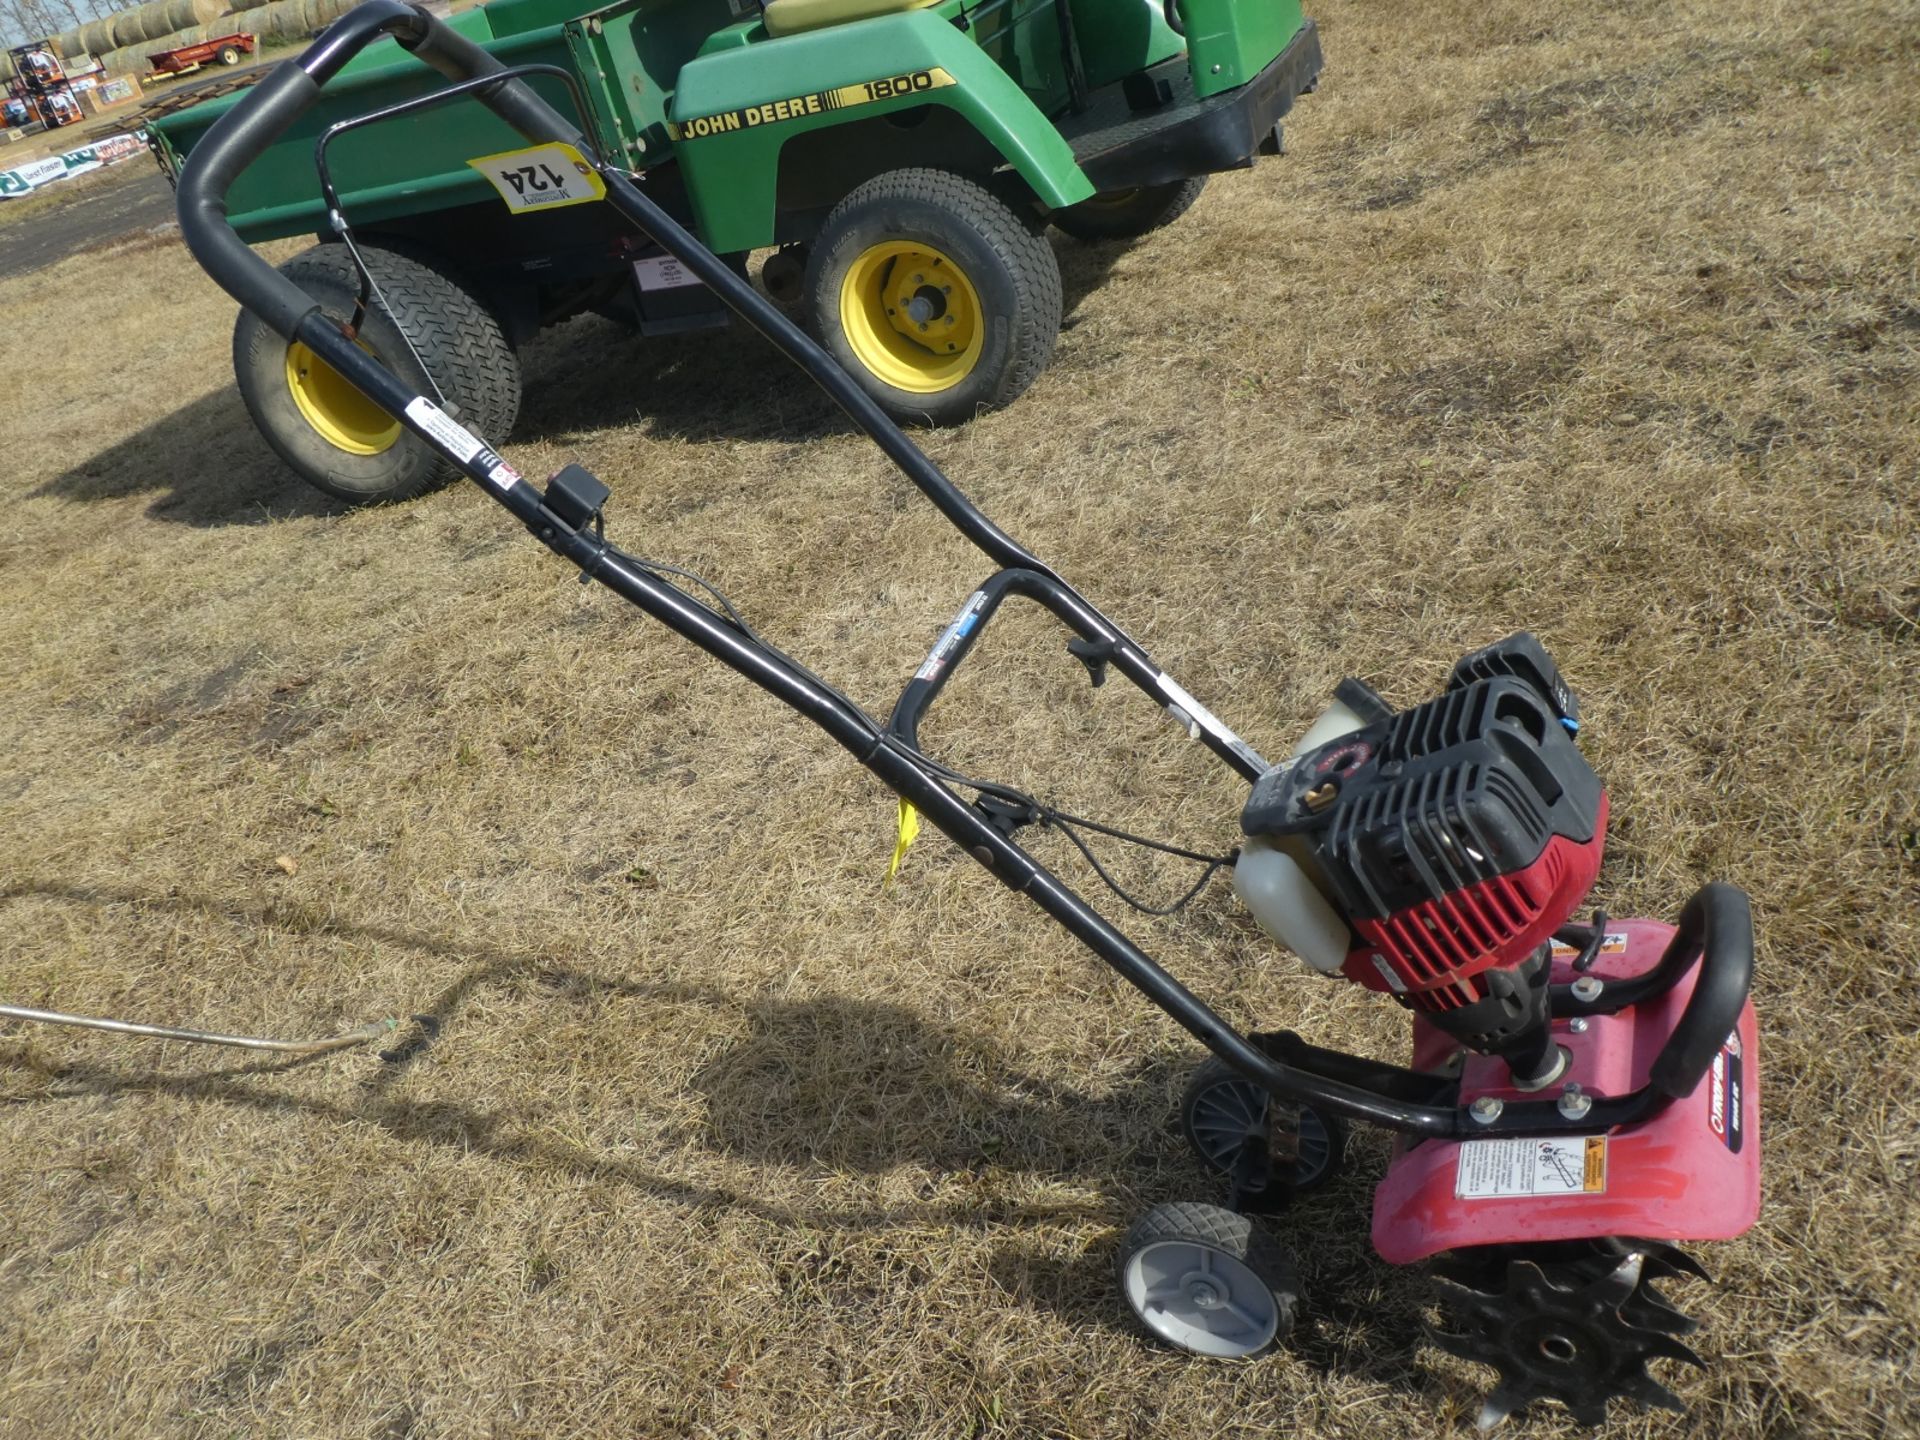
{"x": 1581, "y": 1098}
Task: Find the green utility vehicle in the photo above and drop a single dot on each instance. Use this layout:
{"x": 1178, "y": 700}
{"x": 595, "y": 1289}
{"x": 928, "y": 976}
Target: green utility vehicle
{"x": 901, "y": 158}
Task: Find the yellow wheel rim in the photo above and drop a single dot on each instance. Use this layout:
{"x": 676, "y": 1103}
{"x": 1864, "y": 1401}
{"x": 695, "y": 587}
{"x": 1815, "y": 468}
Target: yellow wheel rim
{"x": 339, "y": 413}
{"x": 912, "y": 317}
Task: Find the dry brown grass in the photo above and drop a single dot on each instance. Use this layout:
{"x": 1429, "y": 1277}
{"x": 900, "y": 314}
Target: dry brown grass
{"x": 1601, "y": 320}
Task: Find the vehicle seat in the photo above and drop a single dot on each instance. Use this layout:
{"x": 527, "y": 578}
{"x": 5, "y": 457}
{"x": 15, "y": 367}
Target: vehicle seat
{"x": 791, "y": 17}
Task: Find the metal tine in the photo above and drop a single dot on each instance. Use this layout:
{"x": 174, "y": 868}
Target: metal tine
{"x": 1497, "y": 1407}
{"x": 1589, "y": 1412}
{"x": 1664, "y": 1261}
{"x": 1474, "y": 1302}
{"x": 1672, "y": 1349}
{"x": 1651, "y": 1310}
{"x": 1649, "y": 1391}
{"x": 1525, "y": 1275}
{"x": 1616, "y": 1288}
{"x": 1461, "y": 1347}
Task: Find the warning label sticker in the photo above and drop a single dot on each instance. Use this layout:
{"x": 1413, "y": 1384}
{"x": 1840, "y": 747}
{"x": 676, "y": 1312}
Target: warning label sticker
{"x": 446, "y": 432}
{"x": 1615, "y": 943}
{"x": 1496, "y": 1169}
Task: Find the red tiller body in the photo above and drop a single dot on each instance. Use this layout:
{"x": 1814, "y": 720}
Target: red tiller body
{"x": 1690, "y": 1173}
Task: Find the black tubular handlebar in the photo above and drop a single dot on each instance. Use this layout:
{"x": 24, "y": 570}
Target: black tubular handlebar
{"x": 270, "y": 109}
{"x": 1716, "y": 929}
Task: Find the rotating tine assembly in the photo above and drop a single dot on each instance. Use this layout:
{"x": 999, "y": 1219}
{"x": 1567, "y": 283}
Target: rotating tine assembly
{"x": 1580, "y": 1100}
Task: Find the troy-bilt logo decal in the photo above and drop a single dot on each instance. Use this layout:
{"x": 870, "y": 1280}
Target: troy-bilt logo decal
{"x": 798, "y": 107}
{"x": 1723, "y": 1094}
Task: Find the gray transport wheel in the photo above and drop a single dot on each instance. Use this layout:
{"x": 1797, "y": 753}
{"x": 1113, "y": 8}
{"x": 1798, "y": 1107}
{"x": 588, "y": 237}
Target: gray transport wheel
{"x": 1203, "y": 1280}
{"x": 1222, "y": 1110}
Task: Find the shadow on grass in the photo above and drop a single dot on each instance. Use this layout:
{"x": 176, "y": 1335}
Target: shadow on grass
{"x": 207, "y": 467}
{"x": 832, "y": 1086}
{"x": 204, "y": 465}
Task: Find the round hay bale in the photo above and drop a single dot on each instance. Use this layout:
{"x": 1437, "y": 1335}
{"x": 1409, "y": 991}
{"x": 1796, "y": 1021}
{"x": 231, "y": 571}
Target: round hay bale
{"x": 157, "y": 20}
{"x": 96, "y": 38}
{"x": 128, "y": 29}
{"x": 152, "y": 19}
{"x": 6, "y": 67}
{"x": 242, "y": 5}
{"x": 325, "y": 12}
{"x": 67, "y": 44}
{"x": 281, "y": 20}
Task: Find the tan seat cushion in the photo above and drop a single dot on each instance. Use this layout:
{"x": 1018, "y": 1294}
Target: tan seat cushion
{"x": 790, "y": 17}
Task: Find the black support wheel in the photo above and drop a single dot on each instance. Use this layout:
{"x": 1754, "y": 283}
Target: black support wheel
{"x": 937, "y": 297}
{"x": 1222, "y": 1111}
{"x": 330, "y": 434}
{"x": 1125, "y": 214}
{"x": 1204, "y": 1280}
{"x": 229, "y": 55}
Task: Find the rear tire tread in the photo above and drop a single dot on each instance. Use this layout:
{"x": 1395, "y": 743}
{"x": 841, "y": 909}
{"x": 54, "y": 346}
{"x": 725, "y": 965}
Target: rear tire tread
{"x": 455, "y": 332}
{"x": 1021, "y": 251}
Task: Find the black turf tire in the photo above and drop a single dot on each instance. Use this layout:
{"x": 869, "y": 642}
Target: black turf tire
{"x": 229, "y": 55}
{"x": 1212, "y": 1077}
{"x": 1227, "y": 1232}
{"x": 456, "y": 334}
{"x": 1008, "y": 261}
{"x": 1126, "y": 214}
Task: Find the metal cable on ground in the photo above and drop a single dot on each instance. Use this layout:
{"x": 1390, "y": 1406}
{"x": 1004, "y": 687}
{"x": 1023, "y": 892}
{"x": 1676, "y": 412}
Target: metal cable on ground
{"x": 377, "y": 1030}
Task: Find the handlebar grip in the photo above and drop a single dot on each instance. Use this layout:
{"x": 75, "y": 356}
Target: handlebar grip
{"x": 270, "y": 108}
{"x": 235, "y": 142}
{"x": 1716, "y": 927}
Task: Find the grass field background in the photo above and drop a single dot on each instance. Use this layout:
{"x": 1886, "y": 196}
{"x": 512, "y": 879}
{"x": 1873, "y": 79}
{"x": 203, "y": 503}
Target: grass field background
{"x": 1598, "y": 320}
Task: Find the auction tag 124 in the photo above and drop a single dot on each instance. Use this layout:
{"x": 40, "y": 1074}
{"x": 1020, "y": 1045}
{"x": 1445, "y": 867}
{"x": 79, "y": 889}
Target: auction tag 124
{"x": 542, "y": 177}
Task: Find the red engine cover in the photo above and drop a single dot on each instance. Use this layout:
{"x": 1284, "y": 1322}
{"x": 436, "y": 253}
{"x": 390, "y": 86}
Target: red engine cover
{"x": 1436, "y": 944}
{"x": 1690, "y": 1173}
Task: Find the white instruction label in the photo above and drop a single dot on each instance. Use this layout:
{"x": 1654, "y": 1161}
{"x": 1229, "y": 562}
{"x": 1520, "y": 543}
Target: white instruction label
{"x": 1494, "y": 1169}
{"x": 445, "y": 431}
{"x": 662, "y": 272}
{"x": 542, "y": 177}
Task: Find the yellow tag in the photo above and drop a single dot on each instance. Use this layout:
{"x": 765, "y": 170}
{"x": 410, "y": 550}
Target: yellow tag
{"x": 544, "y": 177}
{"x": 909, "y": 828}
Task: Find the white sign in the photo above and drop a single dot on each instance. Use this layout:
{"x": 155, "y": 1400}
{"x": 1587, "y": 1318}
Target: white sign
{"x": 662, "y": 272}
{"x": 28, "y": 178}
{"x": 32, "y": 175}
